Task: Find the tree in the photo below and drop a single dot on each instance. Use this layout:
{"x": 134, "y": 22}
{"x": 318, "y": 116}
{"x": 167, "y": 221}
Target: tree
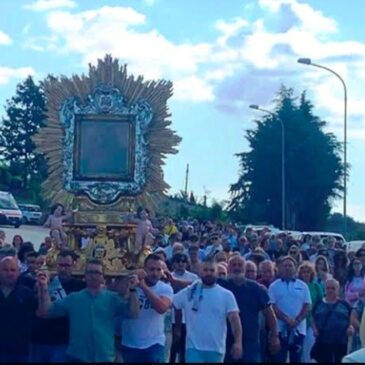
{"x": 25, "y": 114}
{"x": 192, "y": 199}
{"x": 355, "y": 229}
{"x": 313, "y": 168}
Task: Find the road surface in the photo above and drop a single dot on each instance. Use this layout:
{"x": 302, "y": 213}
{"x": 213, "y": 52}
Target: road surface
{"x": 32, "y": 233}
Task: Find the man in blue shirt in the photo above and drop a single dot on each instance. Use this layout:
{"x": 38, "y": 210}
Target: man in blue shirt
{"x": 92, "y": 313}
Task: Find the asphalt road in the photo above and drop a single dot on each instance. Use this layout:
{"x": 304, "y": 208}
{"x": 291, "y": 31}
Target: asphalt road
{"x": 32, "y": 233}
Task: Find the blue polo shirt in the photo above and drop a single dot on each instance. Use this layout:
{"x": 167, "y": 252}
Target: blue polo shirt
{"x": 92, "y": 322}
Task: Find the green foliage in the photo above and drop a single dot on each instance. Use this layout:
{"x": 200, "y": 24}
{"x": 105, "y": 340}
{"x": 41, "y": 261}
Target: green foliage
{"x": 313, "y": 168}
{"x": 22, "y": 170}
{"x": 355, "y": 230}
{"x": 25, "y": 113}
{"x": 178, "y": 208}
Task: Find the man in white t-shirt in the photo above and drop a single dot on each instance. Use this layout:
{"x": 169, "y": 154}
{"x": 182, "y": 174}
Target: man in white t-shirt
{"x": 291, "y": 301}
{"x": 143, "y": 338}
{"x": 180, "y": 263}
{"x": 206, "y": 307}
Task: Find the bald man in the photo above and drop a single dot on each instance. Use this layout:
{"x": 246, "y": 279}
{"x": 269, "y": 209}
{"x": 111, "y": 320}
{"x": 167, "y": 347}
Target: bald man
{"x": 17, "y": 307}
{"x": 252, "y": 299}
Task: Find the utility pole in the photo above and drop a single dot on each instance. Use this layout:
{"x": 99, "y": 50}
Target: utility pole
{"x": 186, "y": 180}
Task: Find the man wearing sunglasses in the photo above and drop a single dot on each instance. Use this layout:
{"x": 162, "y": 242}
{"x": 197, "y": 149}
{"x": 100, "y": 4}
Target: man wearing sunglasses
{"x": 91, "y": 312}
{"x": 214, "y": 247}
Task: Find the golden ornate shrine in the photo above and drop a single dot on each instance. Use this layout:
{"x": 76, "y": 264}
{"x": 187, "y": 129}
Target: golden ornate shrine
{"x": 105, "y": 139}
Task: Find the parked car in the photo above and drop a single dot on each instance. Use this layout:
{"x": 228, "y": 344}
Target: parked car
{"x": 338, "y": 236}
{"x": 353, "y": 246}
{"x": 260, "y": 228}
{"x": 31, "y": 213}
{"x": 9, "y": 211}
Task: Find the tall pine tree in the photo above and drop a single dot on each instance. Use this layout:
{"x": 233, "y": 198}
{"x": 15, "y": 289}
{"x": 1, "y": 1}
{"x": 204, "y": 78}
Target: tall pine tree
{"x": 313, "y": 173}
{"x": 25, "y": 114}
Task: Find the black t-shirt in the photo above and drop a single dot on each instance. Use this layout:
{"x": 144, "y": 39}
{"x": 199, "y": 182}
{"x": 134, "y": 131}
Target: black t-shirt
{"x": 55, "y": 331}
{"x": 251, "y": 298}
{"x": 16, "y": 313}
{"x": 26, "y": 279}
{"x": 332, "y": 321}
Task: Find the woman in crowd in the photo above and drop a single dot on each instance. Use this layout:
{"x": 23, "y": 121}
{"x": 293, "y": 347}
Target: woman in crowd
{"x": 356, "y": 316}
{"x": 322, "y": 268}
{"x": 17, "y": 242}
{"x": 355, "y": 285}
{"x": 307, "y": 273}
{"x": 331, "y": 324}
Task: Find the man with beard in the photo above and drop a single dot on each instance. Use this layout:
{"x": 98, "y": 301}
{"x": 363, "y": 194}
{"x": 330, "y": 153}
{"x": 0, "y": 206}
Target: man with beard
{"x": 252, "y": 299}
{"x": 143, "y": 338}
{"x": 206, "y": 307}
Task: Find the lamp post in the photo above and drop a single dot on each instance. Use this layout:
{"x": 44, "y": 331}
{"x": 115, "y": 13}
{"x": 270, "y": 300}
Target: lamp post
{"x": 308, "y": 61}
{"x": 256, "y": 107}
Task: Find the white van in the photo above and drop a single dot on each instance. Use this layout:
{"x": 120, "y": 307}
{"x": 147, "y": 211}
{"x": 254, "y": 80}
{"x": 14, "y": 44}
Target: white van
{"x": 9, "y": 211}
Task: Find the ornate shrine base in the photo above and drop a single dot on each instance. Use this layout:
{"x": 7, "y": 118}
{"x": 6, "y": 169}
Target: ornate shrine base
{"x": 111, "y": 243}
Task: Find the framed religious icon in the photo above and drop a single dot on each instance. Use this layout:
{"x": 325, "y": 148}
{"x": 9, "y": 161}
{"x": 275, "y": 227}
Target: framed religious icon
{"x": 104, "y": 148}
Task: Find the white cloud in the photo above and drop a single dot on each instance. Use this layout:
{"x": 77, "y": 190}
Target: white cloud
{"x": 194, "y": 89}
{"x": 243, "y": 50}
{"x": 8, "y": 73}
{"x": 230, "y": 29}
{"x": 146, "y": 51}
{"x": 45, "y": 5}
{"x": 4, "y": 38}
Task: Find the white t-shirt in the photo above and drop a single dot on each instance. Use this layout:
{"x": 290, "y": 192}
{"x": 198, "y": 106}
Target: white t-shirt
{"x": 289, "y": 297}
{"x": 186, "y": 276}
{"x": 206, "y": 328}
{"x": 148, "y": 329}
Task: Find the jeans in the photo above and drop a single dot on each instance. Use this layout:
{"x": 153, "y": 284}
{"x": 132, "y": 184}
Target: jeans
{"x": 152, "y": 354}
{"x": 332, "y": 353}
{"x": 19, "y": 358}
{"x": 13, "y": 352}
{"x": 178, "y": 347}
{"x": 294, "y": 346}
{"x": 48, "y": 353}
{"x": 193, "y": 355}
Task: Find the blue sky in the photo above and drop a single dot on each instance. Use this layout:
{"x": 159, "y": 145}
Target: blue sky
{"x": 221, "y": 56}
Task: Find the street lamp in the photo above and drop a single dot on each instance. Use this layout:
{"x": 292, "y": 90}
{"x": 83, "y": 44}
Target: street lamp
{"x": 256, "y": 107}
{"x": 308, "y": 61}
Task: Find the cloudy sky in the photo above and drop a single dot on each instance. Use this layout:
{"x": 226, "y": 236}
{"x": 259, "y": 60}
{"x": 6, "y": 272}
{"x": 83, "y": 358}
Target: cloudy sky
{"x": 221, "y": 56}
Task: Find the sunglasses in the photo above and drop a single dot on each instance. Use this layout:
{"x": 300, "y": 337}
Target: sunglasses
{"x": 182, "y": 261}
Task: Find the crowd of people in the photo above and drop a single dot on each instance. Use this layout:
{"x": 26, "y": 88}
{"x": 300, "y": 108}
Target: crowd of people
{"x": 208, "y": 292}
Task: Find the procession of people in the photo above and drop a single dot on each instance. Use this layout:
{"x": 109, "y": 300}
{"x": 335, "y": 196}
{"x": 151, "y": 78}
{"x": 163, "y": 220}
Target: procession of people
{"x": 208, "y": 292}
